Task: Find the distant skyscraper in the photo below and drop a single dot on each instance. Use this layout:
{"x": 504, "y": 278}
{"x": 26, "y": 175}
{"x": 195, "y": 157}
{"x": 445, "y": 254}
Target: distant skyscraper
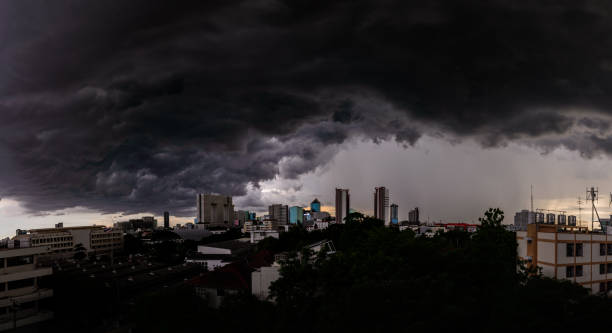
{"x": 215, "y": 210}
{"x": 413, "y": 216}
{"x": 315, "y": 205}
{"x": 394, "y": 213}
{"x": 381, "y": 203}
{"x": 296, "y": 215}
{"x": 166, "y": 220}
{"x": 279, "y": 214}
{"x": 343, "y": 200}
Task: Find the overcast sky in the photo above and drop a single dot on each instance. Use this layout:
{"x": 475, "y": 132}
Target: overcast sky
{"x": 133, "y": 107}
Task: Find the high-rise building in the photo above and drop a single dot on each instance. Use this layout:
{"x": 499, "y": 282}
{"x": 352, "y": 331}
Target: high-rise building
{"x": 394, "y": 214}
{"x": 166, "y": 220}
{"x": 279, "y": 214}
{"x": 315, "y": 205}
{"x": 296, "y": 215}
{"x": 243, "y": 216}
{"x": 413, "y": 216}
{"x": 523, "y": 218}
{"x": 343, "y": 201}
{"x": 215, "y": 210}
{"x": 381, "y": 203}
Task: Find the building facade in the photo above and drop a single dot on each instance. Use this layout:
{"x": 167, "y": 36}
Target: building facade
{"x": 315, "y": 205}
{"x": 343, "y": 201}
{"x": 279, "y": 214}
{"x": 394, "y": 214}
{"x": 523, "y": 218}
{"x": 215, "y": 210}
{"x": 413, "y": 216}
{"x": 296, "y": 215}
{"x": 570, "y": 253}
{"x": 95, "y": 239}
{"x": 22, "y": 301}
{"x": 381, "y": 203}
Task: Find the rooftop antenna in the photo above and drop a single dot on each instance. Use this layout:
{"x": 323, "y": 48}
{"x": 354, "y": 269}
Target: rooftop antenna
{"x": 592, "y": 195}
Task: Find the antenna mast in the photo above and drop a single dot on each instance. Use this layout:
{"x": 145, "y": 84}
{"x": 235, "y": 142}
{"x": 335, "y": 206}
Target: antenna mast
{"x": 592, "y": 195}
{"x": 532, "y": 197}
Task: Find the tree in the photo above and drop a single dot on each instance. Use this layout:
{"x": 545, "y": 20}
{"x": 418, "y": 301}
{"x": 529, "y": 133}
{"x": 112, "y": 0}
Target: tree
{"x": 79, "y": 252}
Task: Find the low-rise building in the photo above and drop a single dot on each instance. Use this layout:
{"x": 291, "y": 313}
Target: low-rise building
{"x": 96, "y": 239}
{"x": 259, "y": 231}
{"x": 22, "y": 302}
{"x": 569, "y": 253}
{"x": 215, "y": 255}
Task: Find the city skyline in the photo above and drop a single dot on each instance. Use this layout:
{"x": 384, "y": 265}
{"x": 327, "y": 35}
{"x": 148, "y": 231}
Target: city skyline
{"x": 105, "y": 135}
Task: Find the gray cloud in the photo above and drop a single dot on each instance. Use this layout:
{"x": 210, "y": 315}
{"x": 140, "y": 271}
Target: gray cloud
{"x": 139, "y": 105}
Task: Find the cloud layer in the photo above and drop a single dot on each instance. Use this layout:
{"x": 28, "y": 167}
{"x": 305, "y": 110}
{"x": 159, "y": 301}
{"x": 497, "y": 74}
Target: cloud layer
{"x": 139, "y": 105}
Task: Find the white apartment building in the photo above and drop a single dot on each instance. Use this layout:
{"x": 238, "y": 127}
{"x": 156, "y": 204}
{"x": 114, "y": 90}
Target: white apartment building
{"x": 20, "y": 295}
{"x": 570, "y": 253}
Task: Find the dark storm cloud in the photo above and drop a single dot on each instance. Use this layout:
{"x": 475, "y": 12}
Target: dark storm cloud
{"x": 139, "y": 105}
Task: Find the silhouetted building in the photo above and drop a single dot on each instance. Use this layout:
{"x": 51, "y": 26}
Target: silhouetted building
{"x": 215, "y": 210}
{"x": 144, "y": 223}
{"x": 166, "y": 220}
{"x": 342, "y": 204}
{"x": 413, "y": 216}
{"x": 315, "y": 205}
{"x": 394, "y": 213}
{"x": 296, "y": 215}
{"x": 381, "y": 203}
{"x": 279, "y": 214}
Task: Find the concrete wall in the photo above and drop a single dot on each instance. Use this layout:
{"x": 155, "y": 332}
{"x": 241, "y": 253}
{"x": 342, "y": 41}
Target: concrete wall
{"x": 262, "y": 279}
{"x": 81, "y": 236}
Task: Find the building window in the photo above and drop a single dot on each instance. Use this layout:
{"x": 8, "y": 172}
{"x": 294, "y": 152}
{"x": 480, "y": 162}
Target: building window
{"x": 579, "y": 270}
{"x": 20, "y": 284}
{"x": 579, "y": 250}
{"x": 609, "y": 268}
{"x": 569, "y": 271}
{"x": 569, "y": 250}
{"x": 609, "y": 248}
{"x": 602, "y": 250}
{"x": 602, "y": 287}
{"x": 18, "y": 261}
{"x": 602, "y": 269}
